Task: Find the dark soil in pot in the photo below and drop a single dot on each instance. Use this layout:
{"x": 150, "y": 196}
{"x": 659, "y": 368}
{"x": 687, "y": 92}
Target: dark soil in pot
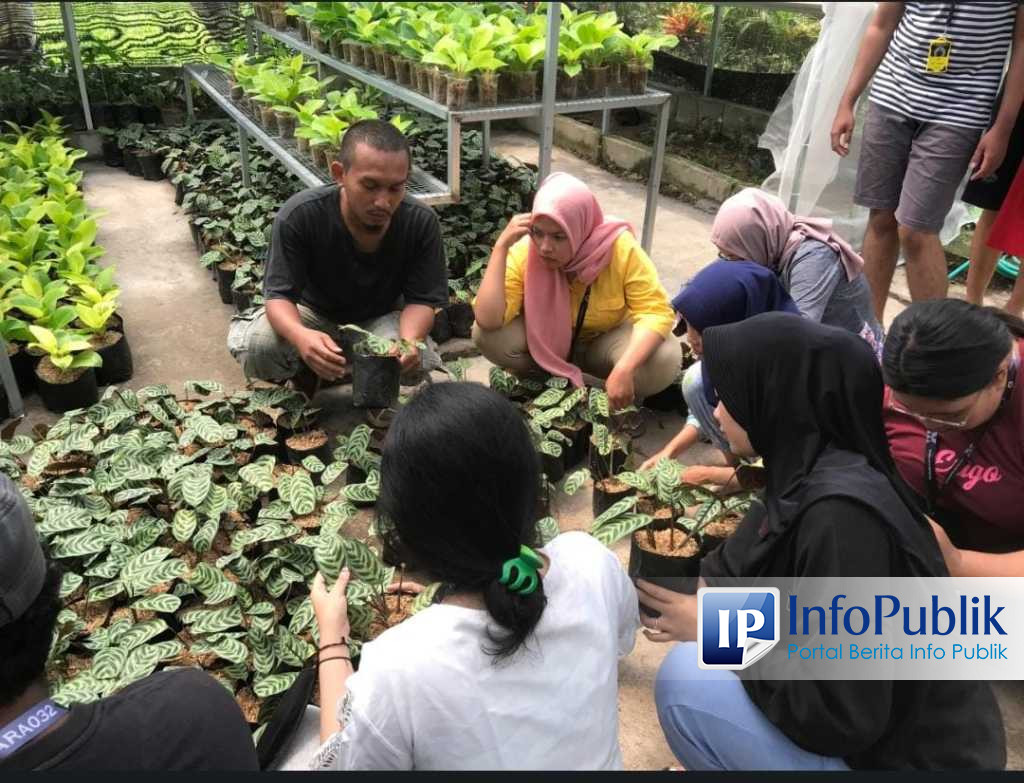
{"x": 718, "y": 531}
{"x": 117, "y": 366}
{"x": 285, "y": 125}
{"x": 131, "y": 162}
{"x": 374, "y": 381}
{"x": 310, "y": 443}
{"x": 596, "y": 81}
{"x": 438, "y": 86}
{"x": 524, "y": 85}
{"x": 112, "y": 154}
{"x": 667, "y": 558}
{"x": 460, "y": 316}
{"x": 225, "y": 277}
{"x": 487, "y": 88}
{"x": 24, "y": 365}
{"x": 636, "y": 79}
{"x": 608, "y": 492}
{"x": 456, "y": 93}
{"x": 441, "y": 332}
{"x": 567, "y": 87}
{"x": 403, "y": 71}
{"x": 65, "y": 391}
{"x": 151, "y": 163}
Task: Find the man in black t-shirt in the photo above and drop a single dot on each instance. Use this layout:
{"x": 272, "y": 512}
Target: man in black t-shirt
{"x": 357, "y": 252}
{"x": 177, "y": 719}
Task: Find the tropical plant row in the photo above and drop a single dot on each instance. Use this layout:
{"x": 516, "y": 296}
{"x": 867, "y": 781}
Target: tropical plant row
{"x": 497, "y": 49}
{"x": 290, "y": 102}
{"x": 58, "y": 305}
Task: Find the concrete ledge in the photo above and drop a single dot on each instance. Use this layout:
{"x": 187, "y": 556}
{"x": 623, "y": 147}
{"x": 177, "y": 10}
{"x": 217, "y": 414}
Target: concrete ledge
{"x": 693, "y": 176}
{"x": 626, "y": 154}
{"x": 578, "y": 137}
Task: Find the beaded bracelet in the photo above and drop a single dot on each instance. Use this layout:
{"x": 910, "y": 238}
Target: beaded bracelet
{"x": 322, "y": 661}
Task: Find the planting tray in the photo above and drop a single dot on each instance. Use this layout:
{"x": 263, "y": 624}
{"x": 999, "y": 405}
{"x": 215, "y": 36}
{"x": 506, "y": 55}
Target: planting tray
{"x": 214, "y": 82}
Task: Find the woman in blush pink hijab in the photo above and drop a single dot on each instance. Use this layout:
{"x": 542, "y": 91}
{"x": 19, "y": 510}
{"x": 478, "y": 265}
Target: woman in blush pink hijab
{"x": 544, "y": 265}
{"x": 819, "y": 269}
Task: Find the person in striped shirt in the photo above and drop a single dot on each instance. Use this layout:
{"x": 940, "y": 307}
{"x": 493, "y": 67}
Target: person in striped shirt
{"x": 936, "y": 69}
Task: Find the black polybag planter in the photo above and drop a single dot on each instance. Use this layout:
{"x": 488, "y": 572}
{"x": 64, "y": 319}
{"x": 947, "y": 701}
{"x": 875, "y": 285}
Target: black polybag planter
{"x": 151, "y": 164}
{"x": 678, "y": 574}
{"x": 117, "y": 364}
{"x": 460, "y": 317}
{"x": 61, "y": 397}
{"x": 112, "y": 154}
{"x": 374, "y": 380}
{"x": 131, "y": 162}
{"x": 225, "y": 277}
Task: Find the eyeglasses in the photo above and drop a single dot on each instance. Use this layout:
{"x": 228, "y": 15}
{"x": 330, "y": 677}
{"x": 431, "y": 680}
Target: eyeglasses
{"x": 939, "y": 421}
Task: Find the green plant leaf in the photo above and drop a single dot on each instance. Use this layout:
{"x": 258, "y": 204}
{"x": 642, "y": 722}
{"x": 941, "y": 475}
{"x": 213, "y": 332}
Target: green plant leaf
{"x": 425, "y": 598}
{"x": 623, "y": 526}
{"x": 332, "y": 472}
{"x": 575, "y": 481}
{"x": 70, "y": 583}
{"x": 140, "y": 633}
{"x": 196, "y": 484}
{"x": 203, "y": 538}
{"x": 363, "y": 562}
{"x": 108, "y": 663}
{"x": 274, "y": 684}
{"x": 330, "y": 556}
{"x": 165, "y": 603}
{"x": 313, "y": 464}
{"x": 615, "y": 510}
{"x": 201, "y": 621}
{"x": 547, "y": 529}
{"x": 212, "y": 583}
{"x": 302, "y": 496}
{"x": 184, "y": 525}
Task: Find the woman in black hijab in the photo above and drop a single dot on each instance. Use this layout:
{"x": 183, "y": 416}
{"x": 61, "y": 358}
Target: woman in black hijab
{"x": 807, "y": 398}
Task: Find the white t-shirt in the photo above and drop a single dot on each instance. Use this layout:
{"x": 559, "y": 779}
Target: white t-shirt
{"x": 427, "y": 696}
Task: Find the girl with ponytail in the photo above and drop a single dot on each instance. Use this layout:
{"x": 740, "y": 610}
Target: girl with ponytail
{"x": 515, "y": 664}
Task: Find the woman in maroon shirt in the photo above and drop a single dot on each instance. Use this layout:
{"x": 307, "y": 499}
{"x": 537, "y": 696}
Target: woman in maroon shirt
{"x": 954, "y": 414}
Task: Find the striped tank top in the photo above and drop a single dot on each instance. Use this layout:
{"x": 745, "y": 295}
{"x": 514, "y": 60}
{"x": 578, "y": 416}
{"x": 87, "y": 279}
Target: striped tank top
{"x": 964, "y": 95}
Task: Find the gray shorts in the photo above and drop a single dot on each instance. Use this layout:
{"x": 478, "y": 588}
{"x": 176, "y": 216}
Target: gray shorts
{"x": 264, "y": 354}
{"x": 912, "y": 167}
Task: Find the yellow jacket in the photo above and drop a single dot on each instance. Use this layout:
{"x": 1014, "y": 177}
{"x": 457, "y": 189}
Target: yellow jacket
{"x": 627, "y": 288}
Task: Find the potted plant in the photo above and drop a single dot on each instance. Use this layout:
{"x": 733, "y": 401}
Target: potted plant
{"x": 325, "y": 138}
{"x": 463, "y": 56}
{"x": 112, "y": 155}
{"x": 375, "y": 366}
{"x": 306, "y": 440}
{"x": 641, "y": 48}
{"x": 599, "y": 30}
{"x": 112, "y": 346}
{"x": 65, "y": 376}
{"x": 304, "y": 116}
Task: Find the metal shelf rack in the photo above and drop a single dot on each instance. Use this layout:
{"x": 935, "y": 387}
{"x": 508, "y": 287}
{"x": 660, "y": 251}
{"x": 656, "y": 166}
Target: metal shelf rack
{"x": 545, "y": 109}
{"x": 213, "y": 81}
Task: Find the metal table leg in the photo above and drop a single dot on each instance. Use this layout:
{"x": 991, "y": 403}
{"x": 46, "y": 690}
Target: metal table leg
{"x": 547, "y": 112}
{"x": 455, "y": 157}
{"x": 189, "y": 109}
{"x": 68, "y": 14}
{"x": 654, "y": 177}
{"x": 485, "y": 144}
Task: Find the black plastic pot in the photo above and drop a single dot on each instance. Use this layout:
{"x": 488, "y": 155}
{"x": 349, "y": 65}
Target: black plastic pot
{"x": 79, "y": 393}
{"x": 117, "y": 363}
{"x": 354, "y": 475}
{"x": 179, "y": 192}
{"x": 580, "y": 436}
{"x": 151, "y": 164}
{"x": 669, "y": 399}
{"x": 678, "y": 574}
{"x": 602, "y": 500}
{"x": 112, "y": 154}
{"x": 72, "y": 115}
{"x": 195, "y": 233}
{"x": 597, "y": 463}
{"x": 460, "y": 316}
{"x": 24, "y": 365}
{"x": 441, "y": 332}
{"x": 375, "y": 381}
{"x": 554, "y": 467}
{"x": 103, "y": 115}
{"x": 131, "y": 163}
{"x": 126, "y": 114}
{"x": 709, "y": 541}
{"x": 225, "y": 277}
{"x": 296, "y": 455}
{"x": 241, "y": 299}
{"x": 150, "y": 115}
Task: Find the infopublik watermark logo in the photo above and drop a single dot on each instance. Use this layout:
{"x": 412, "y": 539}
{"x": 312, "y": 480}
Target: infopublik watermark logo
{"x": 736, "y": 626}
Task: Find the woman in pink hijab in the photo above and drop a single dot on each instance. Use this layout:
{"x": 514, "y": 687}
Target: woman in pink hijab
{"x": 819, "y": 269}
{"x": 544, "y": 265}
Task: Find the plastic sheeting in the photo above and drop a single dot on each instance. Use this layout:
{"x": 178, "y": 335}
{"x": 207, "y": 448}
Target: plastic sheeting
{"x": 809, "y": 177}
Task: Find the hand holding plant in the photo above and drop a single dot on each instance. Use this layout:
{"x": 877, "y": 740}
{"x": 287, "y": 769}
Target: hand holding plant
{"x": 678, "y": 620}
{"x": 331, "y": 608}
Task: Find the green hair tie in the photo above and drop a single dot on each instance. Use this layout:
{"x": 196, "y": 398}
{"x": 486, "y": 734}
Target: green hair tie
{"x": 525, "y": 566}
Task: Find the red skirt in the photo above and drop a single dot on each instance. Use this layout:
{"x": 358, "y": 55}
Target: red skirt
{"x": 1008, "y": 231}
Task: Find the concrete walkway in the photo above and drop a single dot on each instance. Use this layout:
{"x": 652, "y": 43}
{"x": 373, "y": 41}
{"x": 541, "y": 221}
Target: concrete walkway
{"x": 178, "y": 326}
